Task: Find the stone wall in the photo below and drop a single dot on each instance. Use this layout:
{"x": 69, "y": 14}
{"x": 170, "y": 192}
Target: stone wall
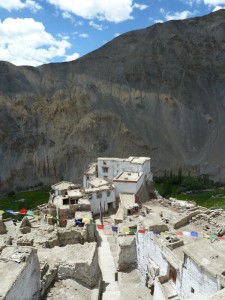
{"x": 127, "y": 255}
{"x": 86, "y": 272}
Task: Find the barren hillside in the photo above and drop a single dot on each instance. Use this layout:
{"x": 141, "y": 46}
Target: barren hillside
{"x": 157, "y": 92}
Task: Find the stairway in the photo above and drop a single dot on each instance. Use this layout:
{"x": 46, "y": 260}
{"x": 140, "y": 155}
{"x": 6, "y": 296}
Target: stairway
{"x": 111, "y": 289}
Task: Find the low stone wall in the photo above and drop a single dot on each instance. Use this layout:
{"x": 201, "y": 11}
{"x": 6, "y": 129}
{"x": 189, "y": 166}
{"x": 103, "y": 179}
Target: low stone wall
{"x": 184, "y": 221}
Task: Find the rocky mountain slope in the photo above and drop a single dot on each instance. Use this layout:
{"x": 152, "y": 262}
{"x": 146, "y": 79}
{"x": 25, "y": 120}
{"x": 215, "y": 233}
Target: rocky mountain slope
{"x": 157, "y": 92}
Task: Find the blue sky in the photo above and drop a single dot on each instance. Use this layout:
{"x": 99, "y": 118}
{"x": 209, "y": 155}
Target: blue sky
{"x": 35, "y": 32}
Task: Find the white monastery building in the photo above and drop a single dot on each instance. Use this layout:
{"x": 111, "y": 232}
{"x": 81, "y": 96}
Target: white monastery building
{"x": 104, "y": 181}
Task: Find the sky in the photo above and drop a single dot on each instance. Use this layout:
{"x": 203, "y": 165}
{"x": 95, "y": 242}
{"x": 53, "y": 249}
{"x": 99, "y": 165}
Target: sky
{"x": 36, "y": 32}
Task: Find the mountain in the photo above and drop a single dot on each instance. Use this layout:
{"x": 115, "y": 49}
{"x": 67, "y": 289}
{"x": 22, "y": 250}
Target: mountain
{"x": 157, "y": 92}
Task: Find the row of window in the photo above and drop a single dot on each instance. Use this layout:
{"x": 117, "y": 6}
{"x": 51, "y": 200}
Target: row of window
{"x": 99, "y": 195}
{"x": 71, "y": 201}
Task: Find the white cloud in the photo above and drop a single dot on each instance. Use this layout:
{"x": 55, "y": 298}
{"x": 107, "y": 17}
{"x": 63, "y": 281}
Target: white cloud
{"x": 83, "y": 35}
{"x": 140, "y": 6}
{"x": 191, "y": 2}
{"x": 96, "y": 26}
{"x": 116, "y": 34}
{"x": 214, "y": 2}
{"x": 113, "y": 11}
{"x": 218, "y": 7}
{"x": 72, "y": 57}
{"x": 25, "y": 42}
{"x": 18, "y": 4}
{"x": 158, "y": 21}
{"x": 179, "y": 15}
{"x": 66, "y": 15}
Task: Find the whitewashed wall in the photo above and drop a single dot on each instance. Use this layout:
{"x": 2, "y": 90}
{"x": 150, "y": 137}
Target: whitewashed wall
{"x": 87, "y": 179}
{"x": 158, "y": 291}
{"x": 127, "y": 187}
{"x": 194, "y": 276}
{"x": 105, "y": 199}
{"x": 116, "y": 167}
{"x": 146, "y": 248}
{"x": 28, "y": 284}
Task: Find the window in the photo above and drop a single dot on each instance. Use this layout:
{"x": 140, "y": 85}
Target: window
{"x": 104, "y": 163}
{"x": 87, "y": 177}
{"x": 192, "y": 290}
{"x": 99, "y": 195}
{"x": 108, "y": 193}
{"x": 66, "y": 201}
{"x": 90, "y": 196}
{"x": 105, "y": 177}
{"x": 105, "y": 169}
{"x": 73, "y": 201}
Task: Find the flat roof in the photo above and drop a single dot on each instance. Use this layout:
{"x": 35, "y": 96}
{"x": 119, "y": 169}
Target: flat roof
{"x": 91, "y": 170}
{"x": 132, "y": 159}
{"x": 75, "y": 193}
{"x": 210, "y": 256}
{"x": 97, "y": 182}
{"x": 99, "y": 189}
{"x": 62, "y": 185}
{"x": 139, "y": 160}
{"x": 128, "y": 176}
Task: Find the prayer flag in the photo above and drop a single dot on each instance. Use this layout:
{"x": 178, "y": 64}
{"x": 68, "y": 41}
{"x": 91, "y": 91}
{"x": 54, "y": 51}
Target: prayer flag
{"x": 133, "y": 229}
{"x": 141, "y": 230}
{"x": 179, "y": 233}
{"x": 23, "y": 211}
{"x": 205, "y": 235}
{"x": 114, "y": 228}
{"x": 214, "y": 236}
{"x": 194, "y": 233}
{"x": 10, "y": 211}
{"x": 1, "y": 212}
{"x": 163, "y": 233}
{"x": 29, "y": 213}
{"x": 186, "y": 233}
{"x": 156, "y": 232}
{"x": 221, "y": 238}
{"x": 86, "y": 221}
{"x": 125, "y": 229}
{"x": 37, "y": 217}
{"x": 100, "y": 226}
{"x": 107, "y": 226}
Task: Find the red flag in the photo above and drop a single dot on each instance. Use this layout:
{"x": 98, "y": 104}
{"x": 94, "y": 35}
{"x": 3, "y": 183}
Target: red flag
{"x": 100, "y": 226}
{"x": 23, "y": 211}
